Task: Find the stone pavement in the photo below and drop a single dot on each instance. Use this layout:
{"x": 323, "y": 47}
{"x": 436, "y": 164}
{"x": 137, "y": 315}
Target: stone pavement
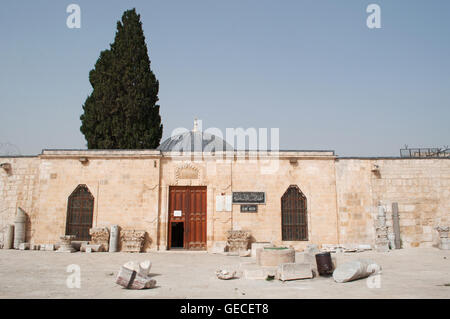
{"x": 406, "y": 273}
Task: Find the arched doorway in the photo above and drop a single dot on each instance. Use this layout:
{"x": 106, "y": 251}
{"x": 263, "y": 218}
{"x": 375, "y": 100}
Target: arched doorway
{"x": 294, "y": 222}
{"x": 80, "y": 212}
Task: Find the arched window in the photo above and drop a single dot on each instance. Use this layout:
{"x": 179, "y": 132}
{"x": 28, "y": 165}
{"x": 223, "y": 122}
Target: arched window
{"x": 294, "y": 222}
{"x": 80, "y": 211}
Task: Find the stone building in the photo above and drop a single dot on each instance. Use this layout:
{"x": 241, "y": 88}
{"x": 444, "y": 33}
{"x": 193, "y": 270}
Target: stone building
{"x": 194, "y": 188}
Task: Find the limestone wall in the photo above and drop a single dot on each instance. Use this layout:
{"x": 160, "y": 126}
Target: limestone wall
{"x": 421, "y": 187}
{"x": 131, "y": 189}
{"x": 18, "y": 188}
{"x": 314, "y": 176}
{"x": 125, "y": 193}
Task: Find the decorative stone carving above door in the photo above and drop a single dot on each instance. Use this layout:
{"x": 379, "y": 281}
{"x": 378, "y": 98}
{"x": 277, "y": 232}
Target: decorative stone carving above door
{"x": 187, "y": 174}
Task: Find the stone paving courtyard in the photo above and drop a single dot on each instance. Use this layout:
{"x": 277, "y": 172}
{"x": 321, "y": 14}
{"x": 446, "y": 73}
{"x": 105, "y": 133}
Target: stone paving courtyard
{"x": 407, "y": 273}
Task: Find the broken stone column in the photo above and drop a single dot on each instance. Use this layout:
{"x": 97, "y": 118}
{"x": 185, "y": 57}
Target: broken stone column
{"x": 99, "y": 236}
{"x": 396, "y": 225}
{"x": 9, "y": 237}
{"x": 357, "y": 269}
{"x": 19, "y": 228}
{"x": 135, "y": 275}
{"x": 114, "y": 239}
{"x": 381, "y": 232}
{"x": 65, "y": 244}
{"x": 444, "y": 242}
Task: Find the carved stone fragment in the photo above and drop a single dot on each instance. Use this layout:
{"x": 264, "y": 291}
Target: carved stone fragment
{"x": 65, "y": 244}
{"x": 238, "y": 240}
{"x": 444, "y": 242}
{"x": 99, "y": 236}
{"x": 132, "y": 240}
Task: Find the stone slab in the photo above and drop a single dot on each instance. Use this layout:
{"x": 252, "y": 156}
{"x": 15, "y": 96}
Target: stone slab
{"x": 24, "y": 246}
{"x": 294, "y": 271}
{"x": 250, "y": 270}
{"x": 49, "y": 247}
{"x": 273, "y": 257}
{"x": 65, "y": 250}
{"x": 260, "y": 273}
{"x": 245, "y": 253}
{"x": 89, "y": 248}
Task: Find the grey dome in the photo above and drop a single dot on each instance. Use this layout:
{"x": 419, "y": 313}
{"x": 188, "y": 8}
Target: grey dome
{"x": 195, "y": 141}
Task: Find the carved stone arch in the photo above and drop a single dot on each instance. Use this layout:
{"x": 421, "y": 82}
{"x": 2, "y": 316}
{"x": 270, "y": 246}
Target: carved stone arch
{"x": 187, "y": 173}
{"x": 80, "y": 213}
{"x": 294, "y": 221}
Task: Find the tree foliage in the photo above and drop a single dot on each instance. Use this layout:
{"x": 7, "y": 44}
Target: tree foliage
{"x": 121, "y": 112}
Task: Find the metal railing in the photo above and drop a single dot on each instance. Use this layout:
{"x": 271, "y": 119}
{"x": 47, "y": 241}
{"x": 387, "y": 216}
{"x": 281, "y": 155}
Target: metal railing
{"x": 425, "y": 152}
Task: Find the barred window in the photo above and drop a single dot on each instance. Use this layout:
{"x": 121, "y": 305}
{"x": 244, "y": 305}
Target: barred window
{"x": 294, "y": 222}
{"x": 80, "y": 211}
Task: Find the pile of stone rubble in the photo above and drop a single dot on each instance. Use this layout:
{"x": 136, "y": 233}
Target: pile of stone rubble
{"x": 271, "y": 262}
{"x": 102, "y": 239}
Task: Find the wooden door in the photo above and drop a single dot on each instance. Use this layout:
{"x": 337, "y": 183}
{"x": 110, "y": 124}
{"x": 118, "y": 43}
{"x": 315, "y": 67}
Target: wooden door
{"x": 191, "y": 201}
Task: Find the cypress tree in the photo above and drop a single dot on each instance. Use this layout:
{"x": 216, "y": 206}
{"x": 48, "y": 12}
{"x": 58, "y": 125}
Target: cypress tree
{"x": 121, "y": 112}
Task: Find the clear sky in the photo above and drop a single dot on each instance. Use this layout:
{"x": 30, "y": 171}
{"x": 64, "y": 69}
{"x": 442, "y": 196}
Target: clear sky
{"x": 313, "y": 69}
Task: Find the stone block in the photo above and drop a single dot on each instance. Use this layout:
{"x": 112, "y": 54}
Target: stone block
{"x": 294, "y": 271}
{"x": 65, "y": 244}
{"x": 141, "y": 268}
{"x": 219, "y": 247}
{"x": 94, "y": 248}
{"x": 257, "y": 245}
{"x": 100, "y": 235}
{"x": 245, "y": 253}
{"x": 255, "y": 274}
{"x": 132, "y": 240}
{"x": 273, "y": 256}
{"x": 24, "y": 246}
{"x": 49, "y": 247}
{"x": 260, "y": 273}
{"x": 134, "y": 275}
{"x": 444, "y": 244}
{"x": 238, "y": 240}
{"x": 309, "y": 257}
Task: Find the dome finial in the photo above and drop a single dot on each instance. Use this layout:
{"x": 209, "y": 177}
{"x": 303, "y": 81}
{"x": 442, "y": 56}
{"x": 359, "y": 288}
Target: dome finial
{"x": 195, "y": 129}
